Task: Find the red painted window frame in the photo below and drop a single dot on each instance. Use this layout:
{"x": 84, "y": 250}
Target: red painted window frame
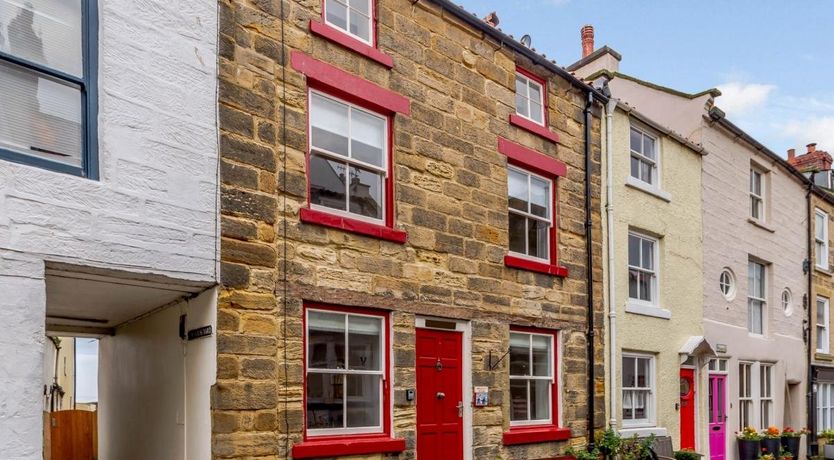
{"x": 350, "y": 444}
{"x": 551, "y": 168}
{"x": 344, "y": 39}
{"x": 538, "y": 129}
{"x": 529, "y": 434}
{"x": 331, "y": 80}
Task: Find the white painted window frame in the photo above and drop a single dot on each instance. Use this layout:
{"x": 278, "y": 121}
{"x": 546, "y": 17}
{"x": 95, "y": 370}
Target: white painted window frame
{"x": 758, "y": 197}
{"x": 765, "y": 394}
{"x": 528, "y": 82}
{"x": 650, "y": 421}
{"x": 371, "y": 32}
{"x": 655, "y": 285}
{"x": 530, "y": 378}
{"x": 825, "y": 405}
{"x": 642, "y": 158}
{"x": 744, "y": 398}
{"x": 824, "y": 327}
{"x": 384, "y": 169}
{"x": 821, "y": 241}
{"x": 762, "y": 299}
{"x": 529, "y": 215}
{"x": 731, "y": 283}
{"x": 384, "y": 353}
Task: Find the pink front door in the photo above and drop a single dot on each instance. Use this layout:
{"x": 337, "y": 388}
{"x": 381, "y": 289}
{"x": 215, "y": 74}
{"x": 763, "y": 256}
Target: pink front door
{"x": 717, "y": 416}
{"x": 439, "y": 394}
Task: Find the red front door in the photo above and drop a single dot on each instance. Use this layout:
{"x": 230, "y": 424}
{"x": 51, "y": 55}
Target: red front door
{"x": 439, "y": 395}
{"x": 687, "y": 394}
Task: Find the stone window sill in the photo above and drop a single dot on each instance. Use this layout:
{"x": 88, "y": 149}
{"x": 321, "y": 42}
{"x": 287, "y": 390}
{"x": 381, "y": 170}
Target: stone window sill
{"x": 342, "y": 39}
{"x": 647, "y": 310}
{"x": 628, "y": 432}
{"x": 332, "y": 447}
{"x": 539, "y": 130}
{"x": 312, "y": 216}
{"x": 530, "y": 435}
{"x": 761, "y": 224}
{"x": 539, "y": 267}
{"x": 822, "y": 270}
{"x": 823, "y": 356}
{"x": 647, "y": 188}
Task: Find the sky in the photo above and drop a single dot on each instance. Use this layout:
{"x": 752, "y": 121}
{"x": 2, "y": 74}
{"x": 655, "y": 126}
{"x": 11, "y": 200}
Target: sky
{"x": 86, "y": 370}
{"x": 772, "y": 60}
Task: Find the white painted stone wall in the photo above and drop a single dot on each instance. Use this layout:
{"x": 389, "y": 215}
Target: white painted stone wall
{"x": 153, "y": 209}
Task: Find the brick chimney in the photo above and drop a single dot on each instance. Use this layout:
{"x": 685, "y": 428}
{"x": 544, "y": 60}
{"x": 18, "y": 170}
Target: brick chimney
{"x": 811, "y": 160}
{"x": 587, "y": 40}
{"x": 492, "y": 19}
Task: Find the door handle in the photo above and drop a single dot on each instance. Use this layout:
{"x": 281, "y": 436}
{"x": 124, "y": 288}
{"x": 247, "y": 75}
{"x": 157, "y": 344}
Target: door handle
{"x": 460, "y": 408}
{"x": 441, "y": 395}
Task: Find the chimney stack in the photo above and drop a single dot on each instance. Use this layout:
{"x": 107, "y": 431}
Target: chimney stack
{"x": 791, "y": 155}
{"x": 492, "y": 19}
{"x": 587, "y": 40}
{"x": 812, "y": 160}
{"x": 812, "y": 147}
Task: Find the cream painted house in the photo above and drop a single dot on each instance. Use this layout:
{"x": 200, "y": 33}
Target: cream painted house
{"x": 751, "y": 285}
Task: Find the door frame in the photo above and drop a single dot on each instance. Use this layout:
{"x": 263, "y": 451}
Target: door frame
{"x": 696, "y": 396}
{"x": 465, "y": 327}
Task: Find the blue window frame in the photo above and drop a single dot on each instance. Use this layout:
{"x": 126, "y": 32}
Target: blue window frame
{"x": 48, "y": 102}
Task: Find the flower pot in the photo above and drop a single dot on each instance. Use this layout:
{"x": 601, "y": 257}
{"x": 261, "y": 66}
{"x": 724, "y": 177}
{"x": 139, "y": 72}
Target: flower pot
{"x": 749, "y": 450}
{"x": 771, "y": 446}
{"x": 828, "y": 451}
{"x": 791, "y": 444}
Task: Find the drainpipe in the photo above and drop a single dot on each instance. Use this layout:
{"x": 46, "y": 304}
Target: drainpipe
{"x": 589, "y": 270}
{"x": 809, "y": 407}
{"x": 609, "y": 222}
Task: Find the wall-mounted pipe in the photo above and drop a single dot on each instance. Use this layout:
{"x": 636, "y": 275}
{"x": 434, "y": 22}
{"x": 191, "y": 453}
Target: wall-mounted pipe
{"x": 610, "y": 107}
{"x": 589, "y": 264}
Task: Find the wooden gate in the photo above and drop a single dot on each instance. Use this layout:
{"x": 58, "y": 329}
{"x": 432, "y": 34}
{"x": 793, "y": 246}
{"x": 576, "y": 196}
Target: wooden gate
{"x": 74, "y": 435}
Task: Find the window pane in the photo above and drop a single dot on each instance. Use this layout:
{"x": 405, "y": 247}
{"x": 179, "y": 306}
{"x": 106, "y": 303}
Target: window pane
{"x": 39, "y": 116}
{"x": 646, "y": 172}
{"x": 535, "y": 92}
{"x": 820, "y": 311}
{"x": 536, "y": 112}
{"x": 327, "y": 182}
{"x": 540, "y": 197}
{"x": 819, "y": 229}
{"x": 325, "y": 407}
{"x": 360, "y": 25}
{"x": 634, "y": 284}
{"x": 520, "y": 354}
{"x": 648, "y": 147}
{"x": 367, "y": 134}
{"x": 644, "y": 283}
{"x": 537, "y": 238}
{"x": 47, "y": 32}
{"x": 329, "y": 121}
{"x": 629, "y": 378}
{"x": 635, "y": 168}
{"x": 540, "y": 399}
{"x": 643, "y": 373}
{"x": 364, "y": 337}
{"x": 639, "y": 403}
{"x": 541, "y": 356}
{"x": 363, "y": 6}
{"x": 647, "y": 259}
{"x": 366, "y": 192}
{"x": 326, "y": 340}
{"x": 755, "y": 314}
{"x": 633, "y": 250}
{"x": 518, "y": 398}
{"x": 518, "y": 230}
{"x": 517, "y": 188}
{"x": 636, "y": 141}
{"x": 363, "y": 400}
{"x": 336, "y": 14}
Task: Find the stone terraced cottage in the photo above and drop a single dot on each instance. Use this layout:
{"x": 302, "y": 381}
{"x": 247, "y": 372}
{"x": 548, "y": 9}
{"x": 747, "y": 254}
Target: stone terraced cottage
{"x": 404, "y": 255}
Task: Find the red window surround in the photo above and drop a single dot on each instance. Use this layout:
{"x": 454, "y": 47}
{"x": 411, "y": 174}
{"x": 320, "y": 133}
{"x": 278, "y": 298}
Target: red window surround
{"x": 353, "y": 444}
{"x": 551, "y": 168}
{"x": 529, "y": 125}
{"x": 540, "y": 433}
{"x": 332, "y": 80}
{"x": 326, "y": 31}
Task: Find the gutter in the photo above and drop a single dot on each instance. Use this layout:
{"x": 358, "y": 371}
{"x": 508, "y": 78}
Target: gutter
{"x": 515, "y": 45}
{"x": 809, "y": 385}
{"x": 589, "y": 268}
{"x": 610, "y": 107}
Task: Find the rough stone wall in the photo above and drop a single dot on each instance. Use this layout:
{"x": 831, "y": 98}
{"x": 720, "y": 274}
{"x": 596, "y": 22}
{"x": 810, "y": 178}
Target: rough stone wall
{"x": 821, "y": 281}
{"x": 451, "y": 198}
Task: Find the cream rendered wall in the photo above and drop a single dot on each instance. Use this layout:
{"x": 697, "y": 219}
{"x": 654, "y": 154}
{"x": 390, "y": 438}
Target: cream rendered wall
{"x": 677, "y": 224}
{"x": 729, "y": 240}
{"x": 154, "y": 388}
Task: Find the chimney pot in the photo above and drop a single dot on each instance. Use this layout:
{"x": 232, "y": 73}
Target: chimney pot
{"x": 812, "y": 147}
{"x": 587, "y": 40}
{"x": 791, "y": 155}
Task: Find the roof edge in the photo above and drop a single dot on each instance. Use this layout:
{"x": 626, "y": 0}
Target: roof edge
{"x": 516, "y": 46}
{"x": 596, "y": 54}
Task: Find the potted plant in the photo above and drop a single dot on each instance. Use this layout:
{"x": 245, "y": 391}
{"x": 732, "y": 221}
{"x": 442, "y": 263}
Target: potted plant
{"x": 767, "y": 457}
{"x": 825, "y": 438}
{"x": 582, "y": 453}
{"x": 771, "y": 441}
{"x": 609, "y": 443}
{"x": 749, "y": 444}
{"x": 687, "y": 454}
{"x": 790, "y": 441}
{"x": 785, "y": 454}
